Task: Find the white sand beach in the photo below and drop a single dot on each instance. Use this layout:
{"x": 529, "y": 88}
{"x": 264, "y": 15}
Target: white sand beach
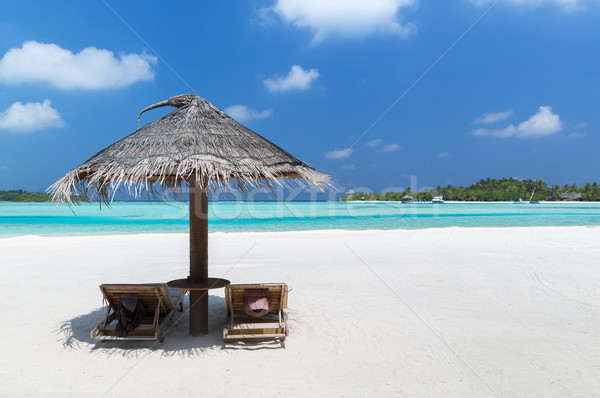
{"x": 457, "y": 312}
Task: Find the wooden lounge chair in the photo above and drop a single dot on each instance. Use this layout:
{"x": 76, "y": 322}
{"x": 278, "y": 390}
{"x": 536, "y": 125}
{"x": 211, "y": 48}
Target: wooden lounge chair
{"x": 268, "y": 326}
{"x": 160, "y": 303}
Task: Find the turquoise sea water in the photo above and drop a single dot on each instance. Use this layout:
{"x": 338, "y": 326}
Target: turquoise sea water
{"x": 48, "y": 219}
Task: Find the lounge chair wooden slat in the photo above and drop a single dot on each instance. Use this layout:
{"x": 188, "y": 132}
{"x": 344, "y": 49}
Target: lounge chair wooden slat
{"x": 254, "y": 336}
{"x": 270, "y": 326}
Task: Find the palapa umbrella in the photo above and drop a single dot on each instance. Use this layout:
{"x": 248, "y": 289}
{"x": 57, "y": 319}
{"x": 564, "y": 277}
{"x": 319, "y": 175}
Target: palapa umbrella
{"x": 197, "y": 144}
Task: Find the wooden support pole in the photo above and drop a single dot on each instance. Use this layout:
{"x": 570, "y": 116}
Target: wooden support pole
{"x": 198, "y": 256}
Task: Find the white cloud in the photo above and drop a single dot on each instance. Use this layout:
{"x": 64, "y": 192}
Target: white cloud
{"x": 567, "y": 5}
{"x": 339, "y": 153}
{"x": 391, "y": 148}
{"x": 543, "y": 123}
{"x": 30, "y": 117}
{"x": 493, "y": 117}
{"x": 92, "y": 68}
{"x": 576, "y": 135}
{"x": 3, "y": 168}
{"x": 373, "y": 143}
{"x": 242, "y": 113}
{"x": 345, "y": 18}
{"x": 443, "y": 155}
{"x": 297, "y": 79}
{"x": 263, "y": 16}
{"x": 502, "y": 133}
{"x": 581, "y": 125}
{"x": 351, "y": 166}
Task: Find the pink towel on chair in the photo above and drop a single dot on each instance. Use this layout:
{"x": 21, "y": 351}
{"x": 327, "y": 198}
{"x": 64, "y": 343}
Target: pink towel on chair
{"x": 257, "y": 302}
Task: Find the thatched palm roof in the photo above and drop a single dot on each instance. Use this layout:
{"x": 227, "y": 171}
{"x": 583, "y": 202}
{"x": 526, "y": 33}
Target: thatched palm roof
{"x": 197, "y": 140}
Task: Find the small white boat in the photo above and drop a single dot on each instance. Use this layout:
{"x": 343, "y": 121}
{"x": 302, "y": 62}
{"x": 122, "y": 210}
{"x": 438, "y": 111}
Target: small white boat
{"x": 533, "y": 202}
{"x": 437, "y": 199}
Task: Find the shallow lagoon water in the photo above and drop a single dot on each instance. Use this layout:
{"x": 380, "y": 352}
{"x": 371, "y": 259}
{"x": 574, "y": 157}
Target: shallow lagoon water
{"x": 48, "y": 219}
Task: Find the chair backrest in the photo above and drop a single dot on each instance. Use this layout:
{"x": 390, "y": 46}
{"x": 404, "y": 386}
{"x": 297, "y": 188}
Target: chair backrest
{"x": 235, "y": 296}
{"x": 148, "y": 294}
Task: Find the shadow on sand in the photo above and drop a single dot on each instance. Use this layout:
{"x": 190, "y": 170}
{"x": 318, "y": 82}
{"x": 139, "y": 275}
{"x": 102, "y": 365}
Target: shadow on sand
{"x": 74, "y": 334}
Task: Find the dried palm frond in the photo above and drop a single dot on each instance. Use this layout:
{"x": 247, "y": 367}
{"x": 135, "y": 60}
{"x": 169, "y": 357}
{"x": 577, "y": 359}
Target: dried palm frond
{"x": 195, "y": 141}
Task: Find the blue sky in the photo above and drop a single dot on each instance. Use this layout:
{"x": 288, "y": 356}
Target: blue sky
{"x": 370, "y": 92}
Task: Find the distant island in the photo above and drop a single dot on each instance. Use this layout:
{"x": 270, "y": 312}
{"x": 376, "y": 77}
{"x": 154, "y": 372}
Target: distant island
{"x": 486, "y": 190}
{"x": 20, "y": 195}
{"x": 24, "y": 196}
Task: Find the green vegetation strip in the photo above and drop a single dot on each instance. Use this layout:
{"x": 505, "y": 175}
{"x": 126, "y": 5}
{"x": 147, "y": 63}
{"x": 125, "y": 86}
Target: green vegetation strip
{"x": 505, "y": 189}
